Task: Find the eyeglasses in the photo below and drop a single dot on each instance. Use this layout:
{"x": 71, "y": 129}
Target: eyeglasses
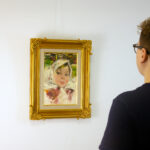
{"x": 136, "y": 47}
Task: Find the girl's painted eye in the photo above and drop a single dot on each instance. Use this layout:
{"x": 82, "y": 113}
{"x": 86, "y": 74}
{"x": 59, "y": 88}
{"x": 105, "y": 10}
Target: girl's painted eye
{"x": 66, "y": 74}
{"x": 58, "y": 72}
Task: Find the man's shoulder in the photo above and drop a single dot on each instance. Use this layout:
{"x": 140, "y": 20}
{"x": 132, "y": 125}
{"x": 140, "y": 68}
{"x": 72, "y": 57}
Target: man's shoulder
{"x": 126, "y": 95}
{"x": 134, "y": 96}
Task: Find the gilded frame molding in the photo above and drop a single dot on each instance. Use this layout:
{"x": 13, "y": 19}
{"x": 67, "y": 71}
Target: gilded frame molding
{"x": 36, "y": 44}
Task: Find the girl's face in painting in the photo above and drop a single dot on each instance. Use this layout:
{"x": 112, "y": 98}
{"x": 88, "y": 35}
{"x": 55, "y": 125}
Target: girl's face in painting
{"x": 61, "y": 76}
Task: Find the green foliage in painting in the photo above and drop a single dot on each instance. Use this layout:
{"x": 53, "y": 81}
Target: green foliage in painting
{"x": 49, "y": 59}
{"x": 74, "y": 69}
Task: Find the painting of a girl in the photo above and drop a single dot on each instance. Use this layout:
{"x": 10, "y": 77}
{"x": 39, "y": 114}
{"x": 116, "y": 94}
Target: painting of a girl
{"x": 59, "y": 86}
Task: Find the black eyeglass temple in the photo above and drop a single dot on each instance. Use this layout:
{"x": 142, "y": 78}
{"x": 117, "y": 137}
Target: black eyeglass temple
{"x": 136, "y": 46}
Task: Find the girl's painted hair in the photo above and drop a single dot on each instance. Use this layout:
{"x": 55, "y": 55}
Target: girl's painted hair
{"x": 64, "y": 65}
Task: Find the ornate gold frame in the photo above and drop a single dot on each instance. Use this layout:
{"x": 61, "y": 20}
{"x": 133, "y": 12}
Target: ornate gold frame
{"x": 85, "y": 47}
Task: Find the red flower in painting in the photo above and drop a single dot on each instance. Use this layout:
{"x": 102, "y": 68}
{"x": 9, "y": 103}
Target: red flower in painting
{"x": 53, "y": 93}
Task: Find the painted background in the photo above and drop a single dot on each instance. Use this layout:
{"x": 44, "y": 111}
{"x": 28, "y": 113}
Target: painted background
{"x": 110, "y": 24}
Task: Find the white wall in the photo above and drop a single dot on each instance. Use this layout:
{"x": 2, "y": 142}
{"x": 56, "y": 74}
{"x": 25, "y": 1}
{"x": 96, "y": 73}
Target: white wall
{"x": 110, "y": 24}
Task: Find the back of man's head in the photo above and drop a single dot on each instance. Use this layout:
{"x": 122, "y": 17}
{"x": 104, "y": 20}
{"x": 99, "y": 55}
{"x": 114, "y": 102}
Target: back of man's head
{"x": 145, "y": 34}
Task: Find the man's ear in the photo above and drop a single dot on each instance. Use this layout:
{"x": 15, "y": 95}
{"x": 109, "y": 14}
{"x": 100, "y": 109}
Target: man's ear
{"x": 144, "y": 55}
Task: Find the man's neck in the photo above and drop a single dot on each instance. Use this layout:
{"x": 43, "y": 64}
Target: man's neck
{"x": 147, "y": 76}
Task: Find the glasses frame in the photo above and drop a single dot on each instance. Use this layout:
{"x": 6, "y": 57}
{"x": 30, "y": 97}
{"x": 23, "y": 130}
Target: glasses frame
{"x": 139, "y": 47}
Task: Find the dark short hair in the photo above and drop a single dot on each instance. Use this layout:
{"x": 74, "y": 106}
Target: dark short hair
{"x": 144, "y": 40}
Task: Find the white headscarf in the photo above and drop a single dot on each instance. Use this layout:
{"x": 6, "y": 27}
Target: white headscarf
{"x": 49, "y": 74}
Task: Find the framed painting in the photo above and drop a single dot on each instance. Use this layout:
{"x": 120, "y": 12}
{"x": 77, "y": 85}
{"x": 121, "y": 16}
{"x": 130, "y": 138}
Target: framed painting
{"x": 59, "y": 78}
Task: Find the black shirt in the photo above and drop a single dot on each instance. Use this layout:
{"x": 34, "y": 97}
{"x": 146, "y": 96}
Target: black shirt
{"x": 128, "y": 126}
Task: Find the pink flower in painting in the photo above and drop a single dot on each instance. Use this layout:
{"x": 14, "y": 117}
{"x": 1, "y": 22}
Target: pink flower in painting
{"x": 70, "y": 93}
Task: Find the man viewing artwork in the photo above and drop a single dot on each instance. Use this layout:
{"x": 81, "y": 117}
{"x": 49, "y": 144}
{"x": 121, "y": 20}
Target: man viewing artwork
{"x": 128, "y": 126}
